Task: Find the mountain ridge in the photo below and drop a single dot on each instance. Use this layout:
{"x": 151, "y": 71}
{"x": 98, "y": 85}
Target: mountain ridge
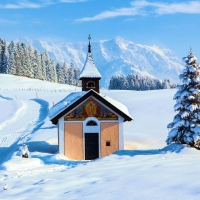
{"x": 116, "y": 56}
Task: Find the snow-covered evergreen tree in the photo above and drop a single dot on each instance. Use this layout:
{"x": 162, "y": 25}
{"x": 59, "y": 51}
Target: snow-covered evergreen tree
{"x": 31, "y": 51}
{"x": 66, "y": 72}
{"x": 4, "y": 57}
{"x": 37, "y": 66}
{"x": 71, "y": 72}
{"x": 185, "y": 127}
{"x": 53, "y": 71}
{"x": 60, "y": 73}
{"x": 11, "y": 59}
{"x": 28, "y": 70}
{"x": 77, "y": 81}
{"x": 1, "y": 53}
{"x": 18, "y": 60}
{"x": 46, "y": 65}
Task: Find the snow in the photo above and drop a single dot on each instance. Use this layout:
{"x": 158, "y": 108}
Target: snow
{"x": 64, "y": 103}
{"x": 117, "y": 56}
{"x": 147, "y": 169}
{"x": 71, "y": 98}
{"x": 89, "y": 70}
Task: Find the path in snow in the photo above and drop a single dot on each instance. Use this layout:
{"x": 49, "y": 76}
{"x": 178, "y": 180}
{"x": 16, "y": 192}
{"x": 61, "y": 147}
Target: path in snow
{"x": 28, "y": 118}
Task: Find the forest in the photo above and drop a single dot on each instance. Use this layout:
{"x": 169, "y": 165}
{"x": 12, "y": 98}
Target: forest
{"x": 19, "y": 59}
{"x": 135, "y": 82}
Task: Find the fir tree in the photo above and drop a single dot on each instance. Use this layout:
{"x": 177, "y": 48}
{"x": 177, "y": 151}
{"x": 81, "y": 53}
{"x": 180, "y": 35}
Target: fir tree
{"x": 4, "y": 57}
{"x": 185, "y": 127}
{"x": 72, "y": 75}
{"x": 37, "y": 66}
{"x": 18, "y": 60}
{"x": 66, "y": 72}
{"x": 60, "y": 73}
{"x": 31, "y": 56}
{"x": 11, "y": 59}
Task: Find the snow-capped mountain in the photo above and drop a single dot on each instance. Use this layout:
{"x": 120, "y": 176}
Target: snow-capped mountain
{"x": 116, "y": 56}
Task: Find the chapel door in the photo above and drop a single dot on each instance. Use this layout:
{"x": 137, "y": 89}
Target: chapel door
{"x": 91, "y": 146}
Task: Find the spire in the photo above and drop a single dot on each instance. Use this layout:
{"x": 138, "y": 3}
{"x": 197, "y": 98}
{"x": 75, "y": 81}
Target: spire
{"x": 89, "y": 46}
{"x": 90, "y": 75}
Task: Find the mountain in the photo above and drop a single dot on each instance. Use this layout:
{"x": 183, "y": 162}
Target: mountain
{"x": 116, "y": 56}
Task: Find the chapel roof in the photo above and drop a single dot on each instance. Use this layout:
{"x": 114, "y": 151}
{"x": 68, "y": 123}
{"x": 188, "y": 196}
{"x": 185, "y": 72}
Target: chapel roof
{"x": 76, "y": 98}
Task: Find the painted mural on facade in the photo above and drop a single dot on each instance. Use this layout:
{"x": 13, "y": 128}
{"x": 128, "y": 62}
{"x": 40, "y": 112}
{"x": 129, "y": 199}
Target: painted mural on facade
{"x": 91, "y": 108}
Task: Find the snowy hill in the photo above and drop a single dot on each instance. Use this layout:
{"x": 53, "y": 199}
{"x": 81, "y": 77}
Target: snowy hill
{"x": 116, "y": 56}
{"x": 147, "y": 169}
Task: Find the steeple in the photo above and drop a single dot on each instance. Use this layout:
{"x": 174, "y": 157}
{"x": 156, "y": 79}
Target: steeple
{"x": 89, "y": 46}
{"x": 90, "y": 75}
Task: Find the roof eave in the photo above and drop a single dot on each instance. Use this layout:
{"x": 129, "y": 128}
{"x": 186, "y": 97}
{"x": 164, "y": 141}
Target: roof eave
{"x": 81, "y": 99}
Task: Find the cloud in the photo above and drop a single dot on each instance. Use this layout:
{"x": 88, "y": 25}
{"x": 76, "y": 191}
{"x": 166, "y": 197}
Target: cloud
{"x": 25, "y": 4}
{"x": 20, "y": 4}
{"x": 111, "y": 14}
{"x": 143, "y": 7}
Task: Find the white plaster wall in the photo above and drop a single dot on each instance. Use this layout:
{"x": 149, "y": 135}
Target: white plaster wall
{"x": 121, "y": 133}
{"x": 61, "y": 133}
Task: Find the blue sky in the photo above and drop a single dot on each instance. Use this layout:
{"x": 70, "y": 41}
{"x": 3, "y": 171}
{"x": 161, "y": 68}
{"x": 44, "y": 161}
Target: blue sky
{"x": 167, "y": 24}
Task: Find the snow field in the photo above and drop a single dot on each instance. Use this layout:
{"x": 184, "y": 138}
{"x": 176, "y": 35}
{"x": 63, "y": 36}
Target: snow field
{"x": 147, "y": 169}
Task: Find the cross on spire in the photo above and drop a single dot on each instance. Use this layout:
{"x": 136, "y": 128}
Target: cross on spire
{"x": 89, "y": 46}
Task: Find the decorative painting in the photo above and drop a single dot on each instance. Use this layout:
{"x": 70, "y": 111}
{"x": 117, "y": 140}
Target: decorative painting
{"x": 90, "y": 108}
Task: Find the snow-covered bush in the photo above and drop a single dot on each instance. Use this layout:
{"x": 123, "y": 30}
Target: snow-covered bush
{"x": 24, "y": 152}
{"x": 185, "y": 127}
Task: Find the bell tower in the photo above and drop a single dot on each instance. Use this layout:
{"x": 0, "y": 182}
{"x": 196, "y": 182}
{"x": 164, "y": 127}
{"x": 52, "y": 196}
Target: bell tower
{"x": 90, "y": 75}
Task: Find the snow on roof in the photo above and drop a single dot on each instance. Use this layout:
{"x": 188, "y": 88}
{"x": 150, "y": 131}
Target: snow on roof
{"x": 73, "y": 97}
{"x": 66, "y": 102}
{"x": 117, "y": 104}
{"x": 89, "y": 70}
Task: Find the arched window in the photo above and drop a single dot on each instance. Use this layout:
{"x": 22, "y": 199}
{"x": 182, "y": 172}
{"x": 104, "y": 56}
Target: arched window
{"x": 91, "y": 123}
{"x": 90, "y": 84}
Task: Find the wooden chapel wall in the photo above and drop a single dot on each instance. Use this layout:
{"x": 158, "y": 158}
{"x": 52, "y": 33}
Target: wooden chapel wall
{"x": 74, "y": 141}
{"x": 110, "y": 133}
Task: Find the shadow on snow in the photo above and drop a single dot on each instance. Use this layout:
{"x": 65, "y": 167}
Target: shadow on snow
{"x": 172, "y": 148}
{"x": 6, "y": 98}
{"x": 6, "y": 152}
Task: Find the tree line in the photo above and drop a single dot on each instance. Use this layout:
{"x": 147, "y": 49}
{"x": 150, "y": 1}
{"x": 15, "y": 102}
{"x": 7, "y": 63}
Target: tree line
{"x": 22, "y": 60}
{"x": 134, "y": 82}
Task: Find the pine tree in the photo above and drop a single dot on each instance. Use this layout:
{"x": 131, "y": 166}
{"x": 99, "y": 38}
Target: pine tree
{"x": 77, "y": 81}
{"x": 43, "y": 67}
{"x": 52, "y": 68}
{"x": 31, "y": 56}
{"x": 37, "y": 66}
{"x": 18, "y": 60}
{"x": 26, "y": 62}
{"x": 66, "y": 73}
{"x": 72, "y": 75}
{"x": 46, "y": 65}
{"x": 4, "y": 57}
{"x": 185, "y": 127}
{"x": 1, "y": 54}
{"x": 60, "y": 73}
{"x": 11, "y": 59}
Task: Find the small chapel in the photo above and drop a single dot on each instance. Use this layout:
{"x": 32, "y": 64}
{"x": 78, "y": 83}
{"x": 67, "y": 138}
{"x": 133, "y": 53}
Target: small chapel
{"x": 90, "y": 124}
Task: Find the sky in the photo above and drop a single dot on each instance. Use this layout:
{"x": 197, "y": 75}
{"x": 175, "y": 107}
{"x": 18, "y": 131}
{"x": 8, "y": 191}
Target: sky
{"x": 167, "y": 24}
